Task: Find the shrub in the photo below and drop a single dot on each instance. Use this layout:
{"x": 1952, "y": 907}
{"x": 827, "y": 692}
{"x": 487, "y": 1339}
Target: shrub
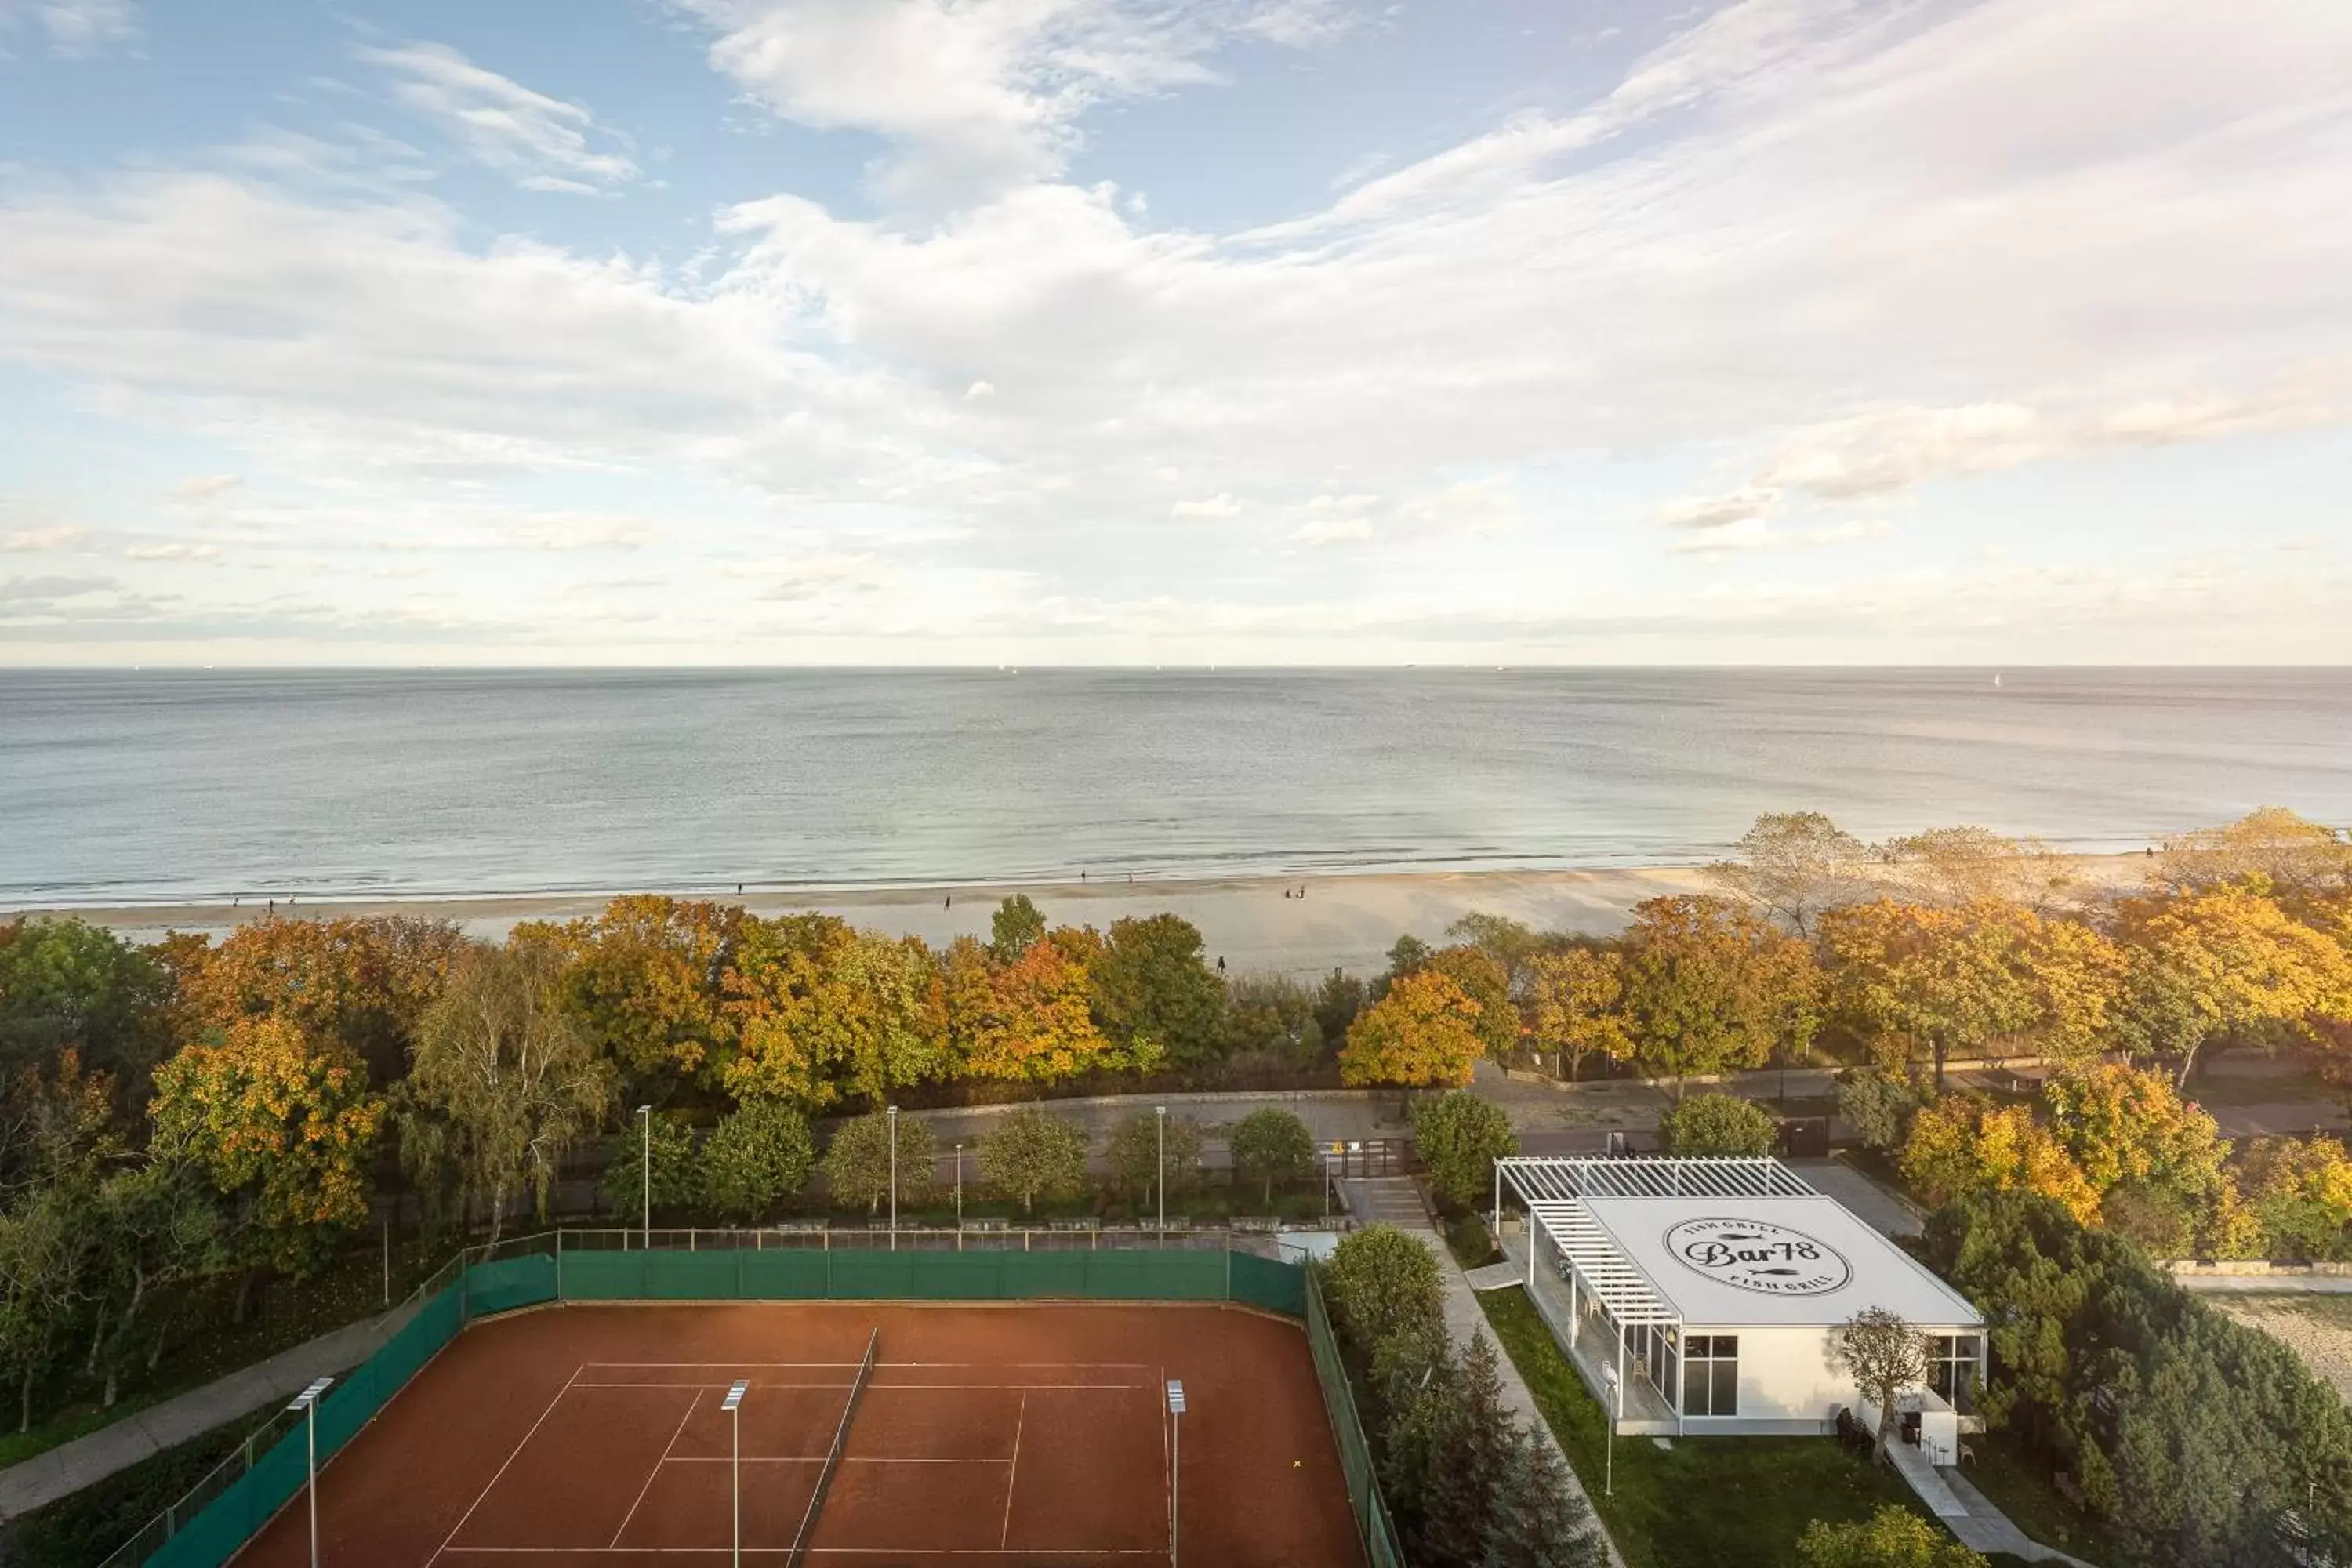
{"x": 1383, "y": 1281}
{"x": 1878, "y": 1105}
{"x": 1459, "y": 1137}
{"x": 1894, "y": 1537}
{"x": 1716, "y": 1124}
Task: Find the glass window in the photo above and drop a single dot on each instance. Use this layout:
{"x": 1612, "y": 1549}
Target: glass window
{"x": 1711, "y": 1376}
{"x": 1952, "y": 1370}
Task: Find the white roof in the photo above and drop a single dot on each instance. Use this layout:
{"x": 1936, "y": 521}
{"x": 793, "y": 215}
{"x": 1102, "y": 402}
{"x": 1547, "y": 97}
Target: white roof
{"x": 1757, "y": 1262}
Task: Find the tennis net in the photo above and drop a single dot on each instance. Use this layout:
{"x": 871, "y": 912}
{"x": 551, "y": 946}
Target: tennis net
{"x": 832, "y": 1455}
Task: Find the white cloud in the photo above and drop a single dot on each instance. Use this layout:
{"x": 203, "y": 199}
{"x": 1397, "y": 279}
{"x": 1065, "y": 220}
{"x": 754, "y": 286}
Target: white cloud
{"x": 205, "y": 487}
{"x": 980, "y": 389}
{"x": 173, "y": 549}
{"x": 980, "y": 95}
{"x": 1711, "y": 514}
{"x": 76, "y": 30}
{"x": 1217, "y": 506}
{"x": 31, "y": 538}
{"x": 546, "y": 143}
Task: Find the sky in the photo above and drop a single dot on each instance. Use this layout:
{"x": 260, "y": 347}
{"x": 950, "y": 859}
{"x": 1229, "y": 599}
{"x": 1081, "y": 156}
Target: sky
{"x": 1140, "y": 332}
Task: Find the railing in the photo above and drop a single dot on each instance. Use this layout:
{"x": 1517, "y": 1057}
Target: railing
{"x": 214, "y": 1518}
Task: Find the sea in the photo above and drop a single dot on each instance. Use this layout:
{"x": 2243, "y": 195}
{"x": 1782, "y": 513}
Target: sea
{"x": 146, "y": 787}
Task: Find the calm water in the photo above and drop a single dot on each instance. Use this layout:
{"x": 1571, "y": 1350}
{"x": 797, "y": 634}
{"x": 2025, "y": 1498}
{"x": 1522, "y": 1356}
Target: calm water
{"x": 138, "y": 787}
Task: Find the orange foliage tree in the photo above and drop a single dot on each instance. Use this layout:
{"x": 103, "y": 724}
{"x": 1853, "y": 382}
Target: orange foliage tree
{"x": 1425, "y": 1031}
{"x": 281, "y": 1124}
{"x": 359, "y": 984}
{"x": 1963, "y": 1144}
{"x": 645, "y": 983}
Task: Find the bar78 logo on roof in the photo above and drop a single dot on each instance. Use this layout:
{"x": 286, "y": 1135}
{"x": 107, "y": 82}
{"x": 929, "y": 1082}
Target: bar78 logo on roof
{"x": 1757, "y": 1255}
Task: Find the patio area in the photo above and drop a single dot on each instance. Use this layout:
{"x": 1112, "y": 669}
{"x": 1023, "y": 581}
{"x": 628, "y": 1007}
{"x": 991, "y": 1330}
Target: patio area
{"x": 1591, "y": 1341}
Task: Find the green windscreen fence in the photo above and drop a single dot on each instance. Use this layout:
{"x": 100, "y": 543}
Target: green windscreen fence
{"x": 1355, "y": 1451}
{"x": 214, "y": 1535}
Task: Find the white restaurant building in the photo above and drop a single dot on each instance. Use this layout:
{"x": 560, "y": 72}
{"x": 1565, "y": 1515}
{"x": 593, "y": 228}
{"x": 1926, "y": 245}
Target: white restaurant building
{"x": 1714, "y": 1289}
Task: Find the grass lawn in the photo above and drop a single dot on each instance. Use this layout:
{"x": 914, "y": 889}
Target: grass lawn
{"x": 2021, "y": 1488}
{"x": 1706, "y": 1500}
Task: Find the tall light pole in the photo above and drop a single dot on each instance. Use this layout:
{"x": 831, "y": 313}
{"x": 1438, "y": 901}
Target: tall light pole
{"x": 1175, "y": 1457}
{"x": 646, "y": 1175}
{"x": 733, "y": 1405}
{"x": 958, "y": 1187}
{"x": 890, "y": 1114}
{"x": 307, "y": 1402}
{"x": 1159, "y": 1162}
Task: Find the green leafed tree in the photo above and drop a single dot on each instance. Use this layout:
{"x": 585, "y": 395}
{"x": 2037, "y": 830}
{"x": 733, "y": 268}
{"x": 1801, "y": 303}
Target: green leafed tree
{"x": 858, "y": 1163}
{"x": 757, "y": 1156}
{"x": 1142, "y": 1150}
{"x": 1032, "y": 1153}
{"x": 1271, "y": 1146}
{"x": 498, "y": 1058}
{"x": 1710, "y": 1124}
{"x": 1151, "y": 983}
{"x": 1884, "y": 1355}
{"x": 1017, "y": 926}
{"x": 665, "y": 1144}
{"x": 1459, "y": 1137}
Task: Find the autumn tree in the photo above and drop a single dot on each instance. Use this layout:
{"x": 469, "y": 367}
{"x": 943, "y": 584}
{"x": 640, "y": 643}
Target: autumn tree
{"x": 1510, "y": 943}
{"x": 2300, "y": 1191}
{"x": 1954, "y": 979}
{"x": 1976, "y": 865}
{"x": 1459, "y": 1137}
{"x": 1962, "y": 1146}
{"x": 1884, "y": 1355}
{"x": 286, "y": 1127}
{"x": 1425, "y": 1031}
{"x": 2128, "y": 1127}
{"x": 518, "y": 1082}
{"x": 2226, "y": 965}
{"x": 56, "y": 1121}
{"x": 860, "y": 1162}
{"x": 1710, "y": 987}
{"x": 2289, "y": 852}
{"x": 1032, "y": 1020}
{"x": 787, "y": 1004}
{"x": 1793, "y": 864}
{"x": 755, "y": 1158}
{"x": 1032, "y": 1153}
{"x": 645, "y": 983}
{"x": 1271, "y": 1146}
{"x": 1152, "y": 986}
{"x": 1146, "y": 1148}
{"x": 356, "y": 985}
{"x": 1573, "y": 1001}
{"x": 1483, "y": 980}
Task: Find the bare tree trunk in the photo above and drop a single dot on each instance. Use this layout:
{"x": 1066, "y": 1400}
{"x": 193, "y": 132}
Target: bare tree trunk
{"x": 96, "y": 1341}
{"x": 244, "y": 1295}
{"x": 24, "y": 1403}
{"x": 1885, "y": 1426}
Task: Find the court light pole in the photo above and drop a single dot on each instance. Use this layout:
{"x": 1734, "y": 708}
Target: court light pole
{"x": 1160, "y": 1164}
{"x": 958, "y": 1187}
{"x": 1175, "y": 1459}
{"x": 1615, "y": 1390}
{"x": 646, "y": 1175}
{"x": 307, "y": 1403}
{"x": 733, "y": 1405}
{"x": 890, "y": 1114}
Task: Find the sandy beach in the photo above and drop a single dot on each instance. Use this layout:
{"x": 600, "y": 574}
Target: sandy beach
{"x": 1344, "y": 921}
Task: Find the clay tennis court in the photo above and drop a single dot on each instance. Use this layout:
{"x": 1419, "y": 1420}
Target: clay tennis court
{"x": 1005, "y": 1434}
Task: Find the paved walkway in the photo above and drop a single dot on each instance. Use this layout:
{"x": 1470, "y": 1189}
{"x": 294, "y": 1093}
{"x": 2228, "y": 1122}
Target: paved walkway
{"x": 1394, "y": 1200}
{"x": 1879, "y": 1208}
{"x": 2264, "y": 1284}
{"x": 69, "y": 1467}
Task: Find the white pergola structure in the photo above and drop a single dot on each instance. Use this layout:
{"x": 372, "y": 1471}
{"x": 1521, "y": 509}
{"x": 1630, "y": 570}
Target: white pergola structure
{"x": 1596, "y": 1268}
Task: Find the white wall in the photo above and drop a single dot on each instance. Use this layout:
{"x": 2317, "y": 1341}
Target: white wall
{"x": 1785, "y": 1376}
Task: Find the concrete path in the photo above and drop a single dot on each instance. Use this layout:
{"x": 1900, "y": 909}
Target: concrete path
{"x": 1394, "y": 1200}
{"x": 69, "y": 1467}
{"x": 1984, "y": 1527}
{"x": 2265, "y": 1284}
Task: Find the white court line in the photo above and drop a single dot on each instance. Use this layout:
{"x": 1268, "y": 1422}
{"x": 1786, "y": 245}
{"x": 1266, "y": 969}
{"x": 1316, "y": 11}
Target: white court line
{"x": 1013, "y": 1473}
{"x": 502, "y": 1468}
{"x": 1027, "y": 1552}
{"x": 899, "y": 1387}
{"x": 817, "y": 1459}
{"x": 652, "y": 1475}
